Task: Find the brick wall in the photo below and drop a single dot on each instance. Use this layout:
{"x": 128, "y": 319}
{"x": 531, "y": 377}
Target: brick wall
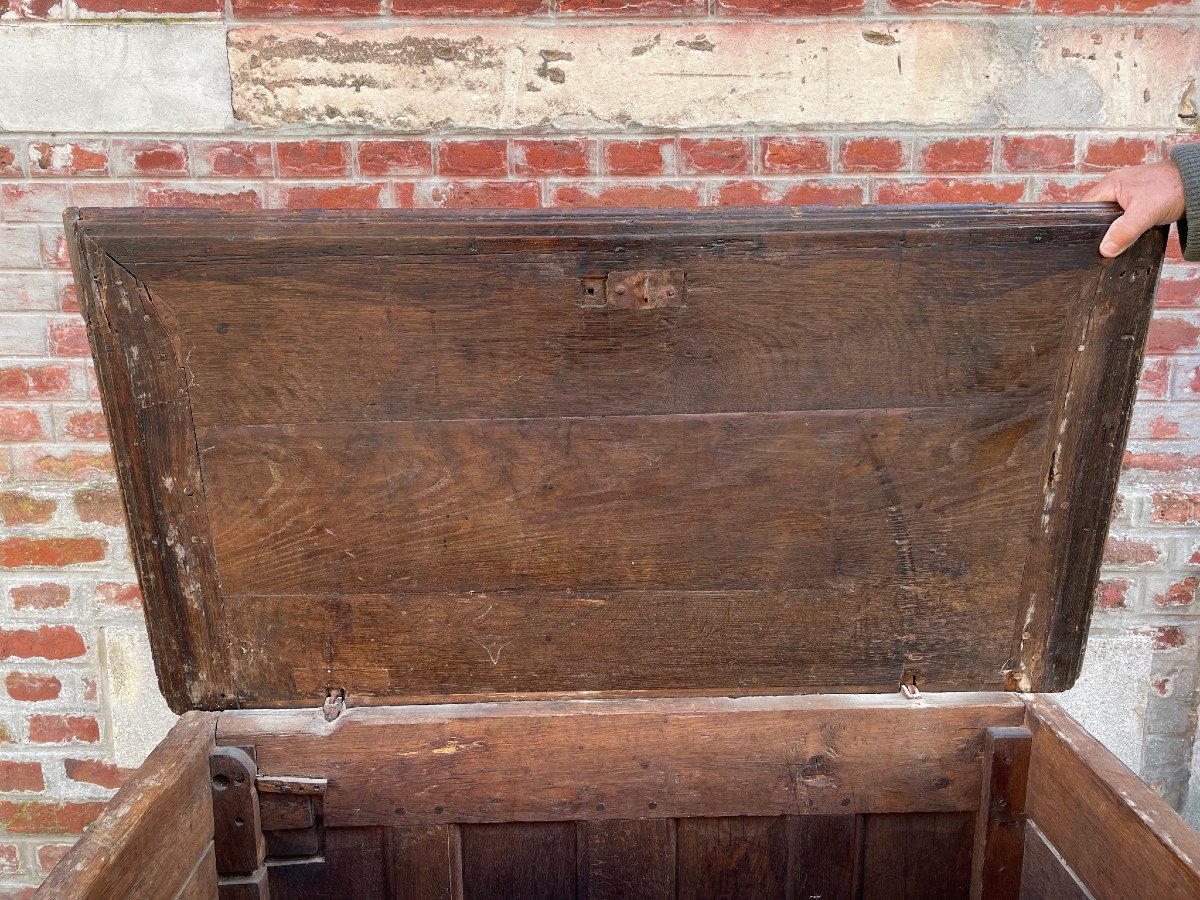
{"x": 447, "y": 103}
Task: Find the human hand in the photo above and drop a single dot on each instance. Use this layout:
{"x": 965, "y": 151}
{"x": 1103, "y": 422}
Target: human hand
{"x": 1150, "y": 195}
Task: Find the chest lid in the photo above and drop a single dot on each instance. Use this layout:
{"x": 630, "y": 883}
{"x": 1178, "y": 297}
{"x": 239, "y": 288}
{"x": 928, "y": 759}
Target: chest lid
{"x": 423, "y": 456}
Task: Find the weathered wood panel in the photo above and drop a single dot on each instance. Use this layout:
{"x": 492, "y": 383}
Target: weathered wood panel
{"x": 1119, "y": 837}
{"x": 733, "y": 857}
{"x": 629, "y": 759}
{"x": 155, "y": 837}
{"x": 627, "y": 860}
{"x": 996, "y": 860}
{"x": 525, "y": 861}
{"x": 337, "y": 369}
{"x": 918, "y": 856}
{"x": 1044, "y": 874}
{"x": 826, "y": 857}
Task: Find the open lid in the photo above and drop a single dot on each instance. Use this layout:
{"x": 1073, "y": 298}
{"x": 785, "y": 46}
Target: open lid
{"x": 421, "y": 456}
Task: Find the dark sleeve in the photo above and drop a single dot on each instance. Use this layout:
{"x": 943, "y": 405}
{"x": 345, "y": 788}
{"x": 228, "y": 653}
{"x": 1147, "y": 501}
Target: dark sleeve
{"x": 1187, "y": 159}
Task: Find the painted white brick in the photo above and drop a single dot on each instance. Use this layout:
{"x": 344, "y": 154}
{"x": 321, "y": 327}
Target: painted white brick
{"x": 114, "y": 78}
{"x": 576, "y": 78}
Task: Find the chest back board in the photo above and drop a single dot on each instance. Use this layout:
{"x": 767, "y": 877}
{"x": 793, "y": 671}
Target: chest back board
{"x": 425, "y": 456}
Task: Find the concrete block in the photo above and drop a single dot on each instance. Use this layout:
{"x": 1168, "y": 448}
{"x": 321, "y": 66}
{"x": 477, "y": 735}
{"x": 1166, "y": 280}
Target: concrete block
{"x": 140, "y": 717}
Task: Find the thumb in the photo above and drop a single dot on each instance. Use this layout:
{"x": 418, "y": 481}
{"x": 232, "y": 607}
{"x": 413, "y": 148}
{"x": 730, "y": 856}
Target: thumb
{"x": 1123, "y": 232}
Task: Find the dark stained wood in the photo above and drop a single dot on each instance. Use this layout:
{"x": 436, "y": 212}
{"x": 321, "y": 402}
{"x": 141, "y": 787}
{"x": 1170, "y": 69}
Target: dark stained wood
{"x": 1091, "y": 418}
{"x": 255, "y": 886}
{"x": 292, "y": 842}
{"x": 631, "y": 859}
{"x": 917, "y": 856}
{"x": 626, "y": 759}
{"x": 1045, "y": 876}
{"x": 155, "y": 837}
{"x": 239, "y": 839}
{"x": 283, "y": 811}
{"x": 733, "y": 857}
{"x": 1120, "y": 838}
{"x": 364, "y": 426}
{"x": 425, "y": 862}
{"x": 521, "y": 861}
{"x": 826, "y": 857}
{"x": 352, "y": 868}
{"x": 1000, "y": 824}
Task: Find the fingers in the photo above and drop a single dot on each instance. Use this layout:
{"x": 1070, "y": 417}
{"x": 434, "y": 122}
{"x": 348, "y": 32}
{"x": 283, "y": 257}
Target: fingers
{"x": 1125, "y": 230}
{"x": 1104, "y": 192}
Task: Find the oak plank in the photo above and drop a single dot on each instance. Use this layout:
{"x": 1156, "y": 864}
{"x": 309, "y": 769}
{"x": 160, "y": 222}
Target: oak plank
{"x": 425, "y": 862}
{"x": 917, "y": 856}
{"x": 826, "y": 857}
{"x": 628, "y": 759}
{"x": 155, "y": 836}
{"x": 1118, "y": 836}
{"x": 1044, "y": 874}
{"x": 352, "y": 868}
{"x": 632, "y": 859}
{"x": 520, "y": 860}
{"x": 996, "y": 860}
{"x": 734, "y": 856}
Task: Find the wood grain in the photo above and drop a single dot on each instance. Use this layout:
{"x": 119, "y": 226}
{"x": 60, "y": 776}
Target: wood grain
{"x": 627, "y": 860}
{"x": 352, "y": 867}
{"x": 917, "y": 856}
{"x": 1045, "y": 876}
{"x": 612, "y": 759}
{"x": 733, "y": 857}
{"x": 425, "y": 862}
{"x": 238, "y": 829}
{"x": 524, "y": 861}
{"x": 996, "y": 859}
{"x": 826, "y": 857}
{"x": 1120, "y": 838}
{"x": 414, "y": 407}
{"x": 155, "y": 837}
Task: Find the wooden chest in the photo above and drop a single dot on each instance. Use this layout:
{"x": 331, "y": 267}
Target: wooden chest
{"x": 620, "y": 554}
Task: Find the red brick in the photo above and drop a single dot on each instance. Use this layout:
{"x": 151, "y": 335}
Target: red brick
{"x": 468, "y": 7}
{"x": 20, "y": 508}
{"x": 793, "y": 156}
{"x": 1117, "y": 152}
{"x": 30, "y": 687}
{"x": 34, "y": 9}
{"x": 714, "y": 156}
{"x": 18, "y": 425}
{"x": 271, "y": 8}
{"x": 35, "y": 201}
{"x": 1181, "y": 593}
{"x": 236, "y": 159}
{"x": 68, "y": 158}
{"x": 99, "y": 505}
{"x": 650, "y": 157}
{"x": 873, "y": 154}
{"x": 10, "y": 162}
{"x": 18, "y": 552}
{"x": 1168, "y": 463}
{"x": 378, "y": 158}
{"x": 403, "y": 194}
{"x": 85, "y": 425}
{"x": 1129, "y": 552}
{"x": 484, "y": 195}
{"x": 153, "y": 7}
{"x": 1178, "y": 293}
{"x": 90, "y": 691}
{"x": 68, "y": 338}
{"x": 102, "y": 193}
{"x": 635, "y": 7}
{"x": 972, "y": 154}
{"x": 68, "y": 297}
{"x": 46, "y": 595}
{"x": 54, "y": 248}
{"x": 50, "y": 855}
{"x": 1159, "y": 429}
{"x": 10, "y": 859}
{"x": 51, "y": 642}
{"x": 54, "y": 729}
{"x": 472, "y": 158}
{"x": 955, "y": 5}
{"x": 557, "y": 157}
{"x": 1175, "y": 508}
{"x": 1170, "y": 335}
{"x": 313, "y": 159}
{"x": 32, "y": 817}
{"x": 152, "y": 158}
{"x": 95, "y": 771}
{"x": 1174, "y": 250}
{"x": 334, "y": 196}
{"x": 806, "y": 193}
{"x": 586, "y": 194}
{"x": 1066, "y": 191}
{"x": 1088, "y": 7}
{"x": 788, "y": 7}
{"x": 1169, "y": 637}
{"x": 21, "y": 776}
{"x": 943, "y": 190}
{"x": 1156, "y": 374}
{"x": 212, "y": 196}
{"x": 125, "y": 596}
{"x": 76, "y": 465}
{"x": 1112, "y": 594}
{"x": 1037, "y": 153}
